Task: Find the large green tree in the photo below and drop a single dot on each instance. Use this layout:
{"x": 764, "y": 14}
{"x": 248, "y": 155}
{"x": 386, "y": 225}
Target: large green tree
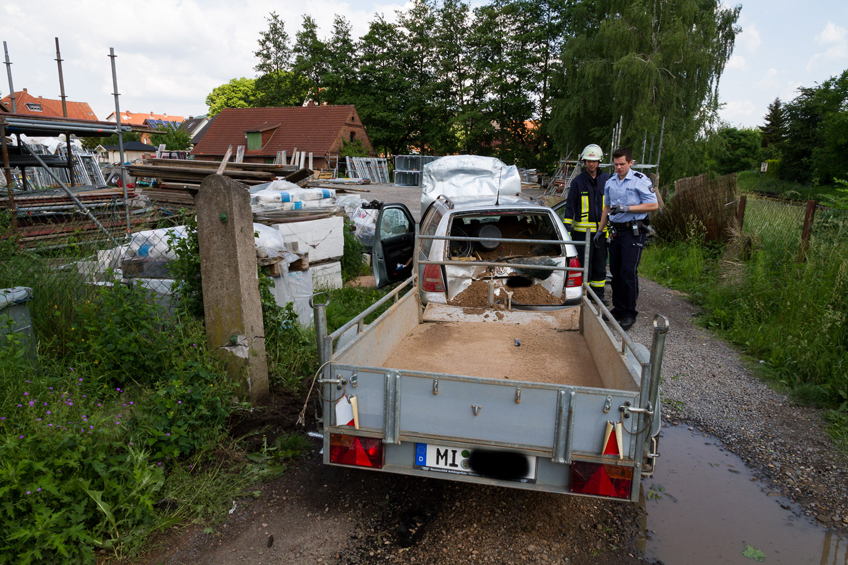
{"x": 816, "y": 144}
{"x": 645, "y": 61}
{"x": 276, "y": 85}
{"x": 737, "y": 150}
{"x": 340, "y": 75}
{"x": 311, "y": 56}
{"x": 774, "y": 130}
{"x": 237, "y": 93}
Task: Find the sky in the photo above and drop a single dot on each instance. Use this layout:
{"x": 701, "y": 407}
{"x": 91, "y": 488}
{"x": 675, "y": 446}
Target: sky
{"x": 171, "y": 54}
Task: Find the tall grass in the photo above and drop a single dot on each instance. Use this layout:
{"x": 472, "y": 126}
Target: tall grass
{"x": 793, "y": 316}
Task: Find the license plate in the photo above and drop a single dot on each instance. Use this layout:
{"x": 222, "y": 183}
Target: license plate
{"x": 503, "y": 465}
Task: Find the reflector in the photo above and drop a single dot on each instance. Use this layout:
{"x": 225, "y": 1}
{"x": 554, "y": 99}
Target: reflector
{"x": 601, "y": 480}
{"x": 357, "y": 451}
{"x": 575, "y": 278}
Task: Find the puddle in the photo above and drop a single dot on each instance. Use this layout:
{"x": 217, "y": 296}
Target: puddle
{"x": 706, "y": 509}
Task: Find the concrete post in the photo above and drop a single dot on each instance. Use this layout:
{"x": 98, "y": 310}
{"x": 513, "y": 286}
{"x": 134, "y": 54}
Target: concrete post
{"x": 231, "y": 302}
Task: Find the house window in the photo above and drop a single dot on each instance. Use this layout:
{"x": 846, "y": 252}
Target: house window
{"x": 32, "y": 107}
{"x": 254, "y": 140}
{"x": 352, "y": 136}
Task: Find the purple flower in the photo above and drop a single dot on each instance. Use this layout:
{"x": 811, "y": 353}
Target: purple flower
{"x": 26, "y": 381}
{"x": 20, "y": 405}
{"x": 168, "y": 434}
{"x": 70, "y": 403}
{"x": 38, "y": 419}
{"x": 45, "y": 404}
{"x": 179, "y": 401}
{"x": 98, "y": 404}
{"x": 130, "y": 403}
{"x": 20, "y": 437}
{"x": 31, "y": 403}
{"x": 26, "y": 394}
{"x": 4, "y": 417}
{"x": 160, "y": 463}
{"x": 80, "y": 380}
{"x": 48, "y": 412}
{"x": 50, "y": 387}
{"x": 51, "y": 425}
{"x": 29, "y": 492}
{"x": 130, "y": 443}
{"x": 91, "y": 427}
{"x": 123, "y": 404}
{"x": 117, "y": 422}
{"x": 38, "y": 489}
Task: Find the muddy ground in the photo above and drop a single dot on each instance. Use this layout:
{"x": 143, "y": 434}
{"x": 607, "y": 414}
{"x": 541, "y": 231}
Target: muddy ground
{"x": 318, "y": 514}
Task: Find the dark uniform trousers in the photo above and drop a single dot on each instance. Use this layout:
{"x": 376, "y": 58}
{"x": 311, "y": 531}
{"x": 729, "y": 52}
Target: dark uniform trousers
{"x": 625, "y": 251}
{"x": 597, "y": 261}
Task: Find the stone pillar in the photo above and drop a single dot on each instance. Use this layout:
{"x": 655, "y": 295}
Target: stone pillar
{"x": 233, "y": 310}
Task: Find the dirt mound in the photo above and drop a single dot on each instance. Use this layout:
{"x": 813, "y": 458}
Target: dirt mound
{"x": 477, "y": 295}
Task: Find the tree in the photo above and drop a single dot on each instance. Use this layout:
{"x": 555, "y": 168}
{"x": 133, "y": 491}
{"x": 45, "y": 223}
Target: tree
{"x": 774, "y": 131}
{"x": 451, "y": 74}
{"x": 816, "y": 144}
{"x": 739, "y": 150}
{"x": 340, "y": 74}
{"x": 646, "y": 61}
{"x": 311, "y": 60}
{"x": 416, "y": 60}
{"x": 173, "y": 137}
{"x": 238, "y": 93}
{"x": 275, "y": 85}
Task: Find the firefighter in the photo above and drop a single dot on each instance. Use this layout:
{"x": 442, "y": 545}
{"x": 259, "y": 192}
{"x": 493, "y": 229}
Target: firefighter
{"x": 584, "y": 207}
{"x": 629, "y": 197}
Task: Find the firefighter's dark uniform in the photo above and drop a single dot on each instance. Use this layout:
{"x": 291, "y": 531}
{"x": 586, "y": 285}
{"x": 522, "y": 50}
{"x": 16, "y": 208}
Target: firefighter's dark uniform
{"x": 583, "y": 207}
{"x": 627, "y": 238}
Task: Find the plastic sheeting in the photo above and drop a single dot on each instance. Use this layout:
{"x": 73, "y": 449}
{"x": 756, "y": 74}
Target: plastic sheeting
{"x": 14, "y": 295}
{"x": 468, "y": 175}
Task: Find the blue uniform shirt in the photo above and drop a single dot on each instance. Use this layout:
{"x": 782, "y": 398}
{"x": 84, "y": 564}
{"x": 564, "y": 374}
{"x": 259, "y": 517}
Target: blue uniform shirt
{"x": 636, "y": 188}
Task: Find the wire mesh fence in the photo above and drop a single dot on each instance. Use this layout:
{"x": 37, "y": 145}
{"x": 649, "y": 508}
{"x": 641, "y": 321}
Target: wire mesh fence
{"x": 65, "y": 250}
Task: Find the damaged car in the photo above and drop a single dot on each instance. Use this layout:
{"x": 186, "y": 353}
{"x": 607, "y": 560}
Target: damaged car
{"x": 473, "y": 216}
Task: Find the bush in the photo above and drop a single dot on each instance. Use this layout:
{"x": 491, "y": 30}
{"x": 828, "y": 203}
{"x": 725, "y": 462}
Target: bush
{"x": 352, "y": 258}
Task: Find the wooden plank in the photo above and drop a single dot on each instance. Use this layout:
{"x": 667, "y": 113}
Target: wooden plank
{"x": 226, "y": 158}
{"x": 156, "y": 171}
{"x": 263, "y": 167}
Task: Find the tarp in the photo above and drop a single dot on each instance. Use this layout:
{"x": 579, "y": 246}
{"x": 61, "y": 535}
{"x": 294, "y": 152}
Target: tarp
{"x": 468, "y": 175}
{"x": 15, "y": 295}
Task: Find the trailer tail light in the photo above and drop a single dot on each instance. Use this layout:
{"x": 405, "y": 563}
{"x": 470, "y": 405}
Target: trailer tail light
{"x": 600, "y": 479}
{"x": 575, "y": 278}
{"x": 432, "y": 279}
{"x": 358, "y": 451}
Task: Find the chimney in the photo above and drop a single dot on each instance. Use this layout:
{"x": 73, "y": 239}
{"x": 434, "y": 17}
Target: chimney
{"x": 25, "y": 90}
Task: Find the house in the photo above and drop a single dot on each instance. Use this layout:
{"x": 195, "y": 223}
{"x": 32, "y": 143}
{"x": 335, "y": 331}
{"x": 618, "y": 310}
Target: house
{"x": 26, "y": 103}
{"x": 133, "y": 151}
{"x": 195, "y": 126}
{"x": 264, "y": 132}
{"x": 138, "y": 120}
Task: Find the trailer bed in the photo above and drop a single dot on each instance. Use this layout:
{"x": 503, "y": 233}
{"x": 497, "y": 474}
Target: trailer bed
{"x": 546, "y": 354}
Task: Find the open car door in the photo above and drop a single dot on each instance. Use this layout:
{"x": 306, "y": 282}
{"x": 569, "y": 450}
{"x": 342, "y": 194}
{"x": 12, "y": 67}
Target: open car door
{"x": 394, "y": 240}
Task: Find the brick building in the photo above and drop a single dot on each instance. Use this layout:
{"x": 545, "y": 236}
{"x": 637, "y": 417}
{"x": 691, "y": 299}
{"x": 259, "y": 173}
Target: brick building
{"x": 320, "y": 130}
{"x": 26, "y": 103}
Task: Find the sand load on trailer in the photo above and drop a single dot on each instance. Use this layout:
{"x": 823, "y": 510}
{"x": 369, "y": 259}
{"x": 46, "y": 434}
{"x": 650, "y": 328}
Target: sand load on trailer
{"x": 477, "y": 294}
{"x": 480, "y": 349}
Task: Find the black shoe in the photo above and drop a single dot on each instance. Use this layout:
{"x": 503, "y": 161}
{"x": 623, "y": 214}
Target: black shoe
{"x": 626, "y": 323}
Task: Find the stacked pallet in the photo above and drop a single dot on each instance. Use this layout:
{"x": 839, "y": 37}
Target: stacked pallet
{"x": 177, "y": 181}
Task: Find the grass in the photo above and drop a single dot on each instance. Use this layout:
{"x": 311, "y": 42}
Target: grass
{"x": 793, "y": 316}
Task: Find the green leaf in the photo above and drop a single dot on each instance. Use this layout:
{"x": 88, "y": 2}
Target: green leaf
{"x": 753, "y": 553}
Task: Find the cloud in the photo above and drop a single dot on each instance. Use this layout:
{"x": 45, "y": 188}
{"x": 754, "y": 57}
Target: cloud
{"x": 835, "y": 39}
{"x": 738, "y": 63}
{"x": 750, "y": 38}
{"x": 770, "y": 80}
{"x": 737, "y": 110}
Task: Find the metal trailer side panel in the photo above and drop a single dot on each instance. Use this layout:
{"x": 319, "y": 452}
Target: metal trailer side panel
{"x": 372, "y": 347}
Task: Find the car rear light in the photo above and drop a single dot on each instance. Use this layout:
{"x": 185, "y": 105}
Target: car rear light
{"x": 575, "y": 278}
{"x": 600, "y": 479}
{"x": 358, "y": 451}
{"x": 432, "y": 279}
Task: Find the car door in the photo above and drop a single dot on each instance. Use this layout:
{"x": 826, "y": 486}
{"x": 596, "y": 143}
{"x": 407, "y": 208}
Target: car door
{"x": 394, "y": 240}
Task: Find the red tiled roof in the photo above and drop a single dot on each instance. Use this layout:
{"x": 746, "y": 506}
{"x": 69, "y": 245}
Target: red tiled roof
{"x": 136, "y": 119}
{"x": 76, "y": 110}
{"x": 313, "y": 129}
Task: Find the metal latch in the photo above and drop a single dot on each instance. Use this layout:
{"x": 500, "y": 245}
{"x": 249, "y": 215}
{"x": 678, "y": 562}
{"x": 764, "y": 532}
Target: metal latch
{"x": 435, "y": 386}
{"x": 628, "y": 409}
{"x": 607, "y": 404}
{"x": 476, "y": 408}
{"x": 338, "y": 382}
{"x": 353, "y": 379}
{"x": 518, "y": 395}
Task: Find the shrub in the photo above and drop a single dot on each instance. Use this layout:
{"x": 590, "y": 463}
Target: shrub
{"x": 352, "y": 258}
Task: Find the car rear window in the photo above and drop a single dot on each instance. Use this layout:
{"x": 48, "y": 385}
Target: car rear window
{"x": 514, "y": 225}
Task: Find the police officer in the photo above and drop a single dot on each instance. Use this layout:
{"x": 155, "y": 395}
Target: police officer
{"x": 584, "y": 208}
{"x": 629, "y": 198}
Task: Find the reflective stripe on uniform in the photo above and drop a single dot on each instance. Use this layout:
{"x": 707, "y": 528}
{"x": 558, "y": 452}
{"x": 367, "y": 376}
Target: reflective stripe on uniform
{"x": 567, "y": 221}
{"x": 582, "y": 226}
{"x": 598, "y": 284}
{"x": 584, "y": 207}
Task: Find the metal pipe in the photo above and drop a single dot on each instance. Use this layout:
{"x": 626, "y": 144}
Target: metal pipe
{"x": 120, "y": 135}
{"x": 501, "y": 240}
{"x": 61, "y": 80}
{"x": 644, "y": 143}
{"x": 651, "y": 156}
{"x": 71, "y": 194}
{"x": 9, "y": 74}
{"x": 362, "y": 315}
{"x": 15, "y": 123}
{"x": 320, "y": 324}
{"x": 510, "y": 265}
{"x": 657, "y": 346}
{"x": 659, "y": 151}
{"x": 10, "y": 187}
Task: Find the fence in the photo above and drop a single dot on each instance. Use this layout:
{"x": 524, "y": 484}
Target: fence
{"x": 710, "y": 203}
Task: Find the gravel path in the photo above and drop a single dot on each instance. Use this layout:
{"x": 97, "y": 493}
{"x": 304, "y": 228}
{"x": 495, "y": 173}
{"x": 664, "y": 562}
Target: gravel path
{"x": 706, "y": 384}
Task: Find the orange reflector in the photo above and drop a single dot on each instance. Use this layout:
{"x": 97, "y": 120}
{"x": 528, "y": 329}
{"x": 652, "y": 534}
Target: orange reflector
{"x": 358, "y": 451}
{"x": 601, "y": 480}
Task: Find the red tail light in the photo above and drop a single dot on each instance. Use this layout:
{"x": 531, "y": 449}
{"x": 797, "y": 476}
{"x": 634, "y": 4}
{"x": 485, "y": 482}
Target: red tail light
{"x": 575, "y": 278}
{"x": 358, "y": 451}
{"x": 432, "y": 280}
{"x": 601, "y": 480}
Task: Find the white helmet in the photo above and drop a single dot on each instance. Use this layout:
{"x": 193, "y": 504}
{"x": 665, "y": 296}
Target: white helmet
{"x": 592, "y": 153}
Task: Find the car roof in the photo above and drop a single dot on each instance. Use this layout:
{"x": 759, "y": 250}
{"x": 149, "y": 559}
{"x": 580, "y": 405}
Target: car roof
{"x": 487, "y": 203}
